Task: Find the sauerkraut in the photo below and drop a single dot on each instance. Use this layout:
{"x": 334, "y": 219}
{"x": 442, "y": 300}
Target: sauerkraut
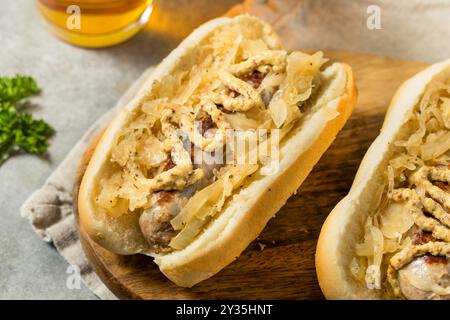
{"x": 236, "y": 80}
{"x": 426, "y": 142}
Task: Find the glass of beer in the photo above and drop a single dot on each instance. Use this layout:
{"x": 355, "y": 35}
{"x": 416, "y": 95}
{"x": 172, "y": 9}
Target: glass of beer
{"x": 95, "y": 23}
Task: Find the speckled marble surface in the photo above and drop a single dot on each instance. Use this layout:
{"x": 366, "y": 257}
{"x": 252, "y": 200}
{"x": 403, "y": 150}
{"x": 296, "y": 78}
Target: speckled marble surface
{"x": 78, "y": 85}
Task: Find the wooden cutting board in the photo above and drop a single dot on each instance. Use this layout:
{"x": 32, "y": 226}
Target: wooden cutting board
{"x": 284, "y": 269}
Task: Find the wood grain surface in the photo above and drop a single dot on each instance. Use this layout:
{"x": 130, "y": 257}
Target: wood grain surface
{"x": 284, "y": 269}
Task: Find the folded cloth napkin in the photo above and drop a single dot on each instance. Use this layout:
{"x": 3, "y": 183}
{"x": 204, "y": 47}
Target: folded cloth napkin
{"x": 410, "y": 29}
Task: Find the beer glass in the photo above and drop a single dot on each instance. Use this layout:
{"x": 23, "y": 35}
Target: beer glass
{"x": 95, "y": 23}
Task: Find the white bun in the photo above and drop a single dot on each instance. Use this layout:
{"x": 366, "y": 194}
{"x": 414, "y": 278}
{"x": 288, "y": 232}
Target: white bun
{"x": 241, "y": 221}
{"x": 344, "y": 226}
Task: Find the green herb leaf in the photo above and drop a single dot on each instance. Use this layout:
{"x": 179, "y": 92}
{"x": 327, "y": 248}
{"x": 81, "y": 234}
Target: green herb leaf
{"x": 14, "y": 89}
{"x": 31, "y": 135}
{"x": 19, "y": 131}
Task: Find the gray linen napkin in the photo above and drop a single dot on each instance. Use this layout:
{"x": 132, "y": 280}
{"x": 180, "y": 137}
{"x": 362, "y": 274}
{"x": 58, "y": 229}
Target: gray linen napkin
{"x": 410, "y": 29}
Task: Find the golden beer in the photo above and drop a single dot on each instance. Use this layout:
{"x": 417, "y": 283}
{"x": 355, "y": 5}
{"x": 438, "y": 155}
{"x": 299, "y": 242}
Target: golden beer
{"x": 95, "y": 23}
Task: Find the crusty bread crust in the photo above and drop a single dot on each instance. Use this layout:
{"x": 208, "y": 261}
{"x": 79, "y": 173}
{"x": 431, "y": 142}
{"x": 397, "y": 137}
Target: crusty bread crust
{"x": 250, "y": 210}
{"x": 344, "y": 226}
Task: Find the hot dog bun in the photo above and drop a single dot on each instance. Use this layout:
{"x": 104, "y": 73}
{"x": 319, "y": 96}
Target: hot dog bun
{"x": 344, "y": 226}
{"x": 251, "y": 207}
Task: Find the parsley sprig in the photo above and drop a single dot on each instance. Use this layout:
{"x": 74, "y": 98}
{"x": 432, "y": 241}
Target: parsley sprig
{"x": 18, "y": 130}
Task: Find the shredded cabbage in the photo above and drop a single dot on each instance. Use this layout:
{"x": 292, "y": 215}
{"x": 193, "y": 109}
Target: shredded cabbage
{"x": 148, "y": 154}
{"x": 436, "y": 144}
{"x": 206, "y": 203}
{"x": 428, "y": 143}
{"x": 395, "y": 221}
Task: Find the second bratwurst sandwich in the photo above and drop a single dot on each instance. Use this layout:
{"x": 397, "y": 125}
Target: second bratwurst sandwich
{"x": 389, "y": 238}
{"x": 219, "y": 136}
